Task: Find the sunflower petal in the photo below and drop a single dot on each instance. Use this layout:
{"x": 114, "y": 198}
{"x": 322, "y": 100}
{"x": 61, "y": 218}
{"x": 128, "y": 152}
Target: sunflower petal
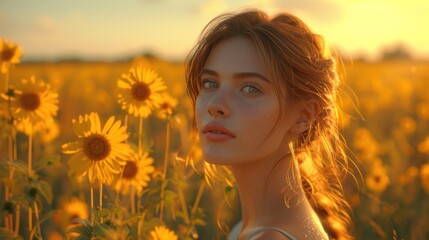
{"x": 95, "y": 123}
{"x": 73, "y": 147}
{"x": 80, "y": 127}
{"x": 108, "y": 125}
{"x": 122, "y": 84}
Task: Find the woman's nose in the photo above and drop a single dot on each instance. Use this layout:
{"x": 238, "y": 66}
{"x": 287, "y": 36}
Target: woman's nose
{"x": 218, "y": 107}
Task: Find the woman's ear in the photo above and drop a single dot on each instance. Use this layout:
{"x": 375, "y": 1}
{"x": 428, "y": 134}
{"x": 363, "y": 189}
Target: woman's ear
{"x": 308, "y": 113}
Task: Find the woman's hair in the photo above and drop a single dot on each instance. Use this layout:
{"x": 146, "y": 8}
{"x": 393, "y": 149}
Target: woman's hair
{"x": 301, "y": 68}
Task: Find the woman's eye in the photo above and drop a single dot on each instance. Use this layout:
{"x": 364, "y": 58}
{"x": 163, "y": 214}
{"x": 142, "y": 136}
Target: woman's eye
{"x": 251, "y": 89}
{"x": 208, "y": 84}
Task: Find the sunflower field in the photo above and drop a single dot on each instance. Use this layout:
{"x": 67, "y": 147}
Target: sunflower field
{"x": 103, "y": 150}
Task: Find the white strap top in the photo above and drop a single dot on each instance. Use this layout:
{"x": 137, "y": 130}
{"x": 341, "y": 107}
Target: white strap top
{"x": 236, "y": 230}
{"x": 263, "y": 229}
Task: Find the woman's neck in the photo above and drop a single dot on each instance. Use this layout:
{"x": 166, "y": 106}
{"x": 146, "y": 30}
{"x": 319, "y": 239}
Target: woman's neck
{"x": 262, "y": 187}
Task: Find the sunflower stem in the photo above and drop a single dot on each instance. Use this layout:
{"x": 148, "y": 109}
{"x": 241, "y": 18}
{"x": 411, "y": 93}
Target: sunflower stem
{"x": 18, "y": 214}
{"x": 198, "y": 198}
{"x": 92, "y": 205}
{"x": 36, "y": 212}
{"x": 30, "y": 163}
{"x": 132, "y": 200}
{"x": 11, "y": 223}
{"x": 118, "y": 193}
{"x": 30, "y": 149}
{"x": 12, "y": 157}
{"x": 184, "y": 207}
{"x": 140, "y": 136}
{"x": 164, "y": 174}
{"x": 6, "y": 222}
{"x": 195, "y": 206}
{"x": 30, "y": 219}
{"x": 101, "y": 199}
{"x": 8, "y": 188}
{"x": 140, "y": 225}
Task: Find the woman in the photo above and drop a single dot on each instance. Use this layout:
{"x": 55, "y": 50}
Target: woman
{"x": 264, "y": 92}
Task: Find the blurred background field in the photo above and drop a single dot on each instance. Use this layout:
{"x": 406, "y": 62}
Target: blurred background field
{"x": 386, "y": 128}
{"x": 81, "y": 48}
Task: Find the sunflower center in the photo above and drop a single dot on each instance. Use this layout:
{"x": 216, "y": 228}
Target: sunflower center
{"x": 30, "y": 101}
{"x": 130, "y": 170}
{"x": 165, "y": 106}
{"x": 96, "y": 147}
{"x": 377, "y": 179}
{"x": 7, "y": 54}
{"x": 140, "y": 91}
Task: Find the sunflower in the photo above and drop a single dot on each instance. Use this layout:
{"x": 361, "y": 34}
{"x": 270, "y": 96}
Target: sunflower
{"x": 424, "y": 176}
{"x": 366, "y": 146}
{"x": 409, "y": 176}
{"x": 408, "y": 125}
{"x": 377, "y": 180}
{"x": 423, "y": 146}
{"x": 163, "y": 233}
{"x": 34, "y": 103}
{"x": 75, "y": 209}
{"x": 166, "y": 106}
{"x": 100, "y": 152}
{"x": 136, "y": 174}
{"x": 71, "y": 209}
{"x": 10, "y": 53}
{"x": 49, "y": 132}
{"x": 140, "y": 91}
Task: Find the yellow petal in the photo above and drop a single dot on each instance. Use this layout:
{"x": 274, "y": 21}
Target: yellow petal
{"x": 73, "y": 147}
{"x": 95, "y": 123}
{"x": 108, "y": 125}
{"x": 81, "y": 127}
{"x": 123, "y": 84}
{"x": 114, "y": 128}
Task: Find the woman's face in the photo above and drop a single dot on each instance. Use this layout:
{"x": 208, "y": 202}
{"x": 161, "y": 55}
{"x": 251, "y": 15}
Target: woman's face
{"x": 236, "y": 109}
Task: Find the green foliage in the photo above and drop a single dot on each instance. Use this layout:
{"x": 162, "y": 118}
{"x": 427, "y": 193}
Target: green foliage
{"x": 47, "y": 162}
{"x": 5, "y": 234}
{"x": 387, "y": 94}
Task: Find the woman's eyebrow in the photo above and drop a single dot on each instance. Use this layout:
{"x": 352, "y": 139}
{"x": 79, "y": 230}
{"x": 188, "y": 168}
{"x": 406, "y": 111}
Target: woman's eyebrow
{"x": 237, "y": 75}
{"x": 209, "y": 71}
{"x": 250, "y": 74}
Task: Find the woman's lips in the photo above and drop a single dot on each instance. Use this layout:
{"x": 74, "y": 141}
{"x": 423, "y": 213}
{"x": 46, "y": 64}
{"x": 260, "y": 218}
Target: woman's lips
{"x": 215, "y": 132}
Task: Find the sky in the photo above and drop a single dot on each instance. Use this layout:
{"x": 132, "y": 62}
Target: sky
{"x": 107, "y": 29}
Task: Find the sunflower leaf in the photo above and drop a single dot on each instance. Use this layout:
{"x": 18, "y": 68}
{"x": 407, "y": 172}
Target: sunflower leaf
{"x": 132, "y": 218}
{"x": 44, "y": 218}
{"x": 85, "y": 222}
{"x": 45, "y": 189}
{"x": 103, "y": 213}
{"x": 47, "y": 162}
{"x": 199, "y": 222}
{"x": 105, "y": 231}
{"x": 10, "y": 92}
{"x": 49, "y": 215}
{"x": 5, "y": 234}
{"x": 169, "y": 196}
{"x": 20, "y": 166}
{"x": 82, "y": 230}
{"x": 83, "y": 238}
